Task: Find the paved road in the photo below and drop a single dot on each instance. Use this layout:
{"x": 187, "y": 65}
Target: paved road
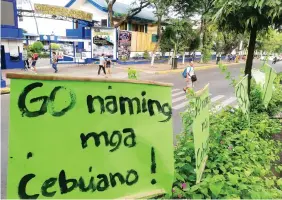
{"x": 221, "y": 92}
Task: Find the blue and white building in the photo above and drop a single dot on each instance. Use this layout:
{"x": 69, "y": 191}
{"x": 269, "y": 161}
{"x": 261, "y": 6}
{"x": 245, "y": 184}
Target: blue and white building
{"x": 11, "y": 36}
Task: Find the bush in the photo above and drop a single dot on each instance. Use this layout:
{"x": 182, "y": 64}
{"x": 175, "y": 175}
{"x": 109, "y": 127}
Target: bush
{"x": 44, "y": 55}
{"x": 206, "y": 55}
{"x": 240, "y": 157}
{"x": 146, "y": 55}
{"x": 132, "y": 73}
{"x": 55, "y": 46}
{"x": 36, "y": 47}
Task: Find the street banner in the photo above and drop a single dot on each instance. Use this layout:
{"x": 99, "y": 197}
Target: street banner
{"x": 241, "y": 92}
{"x": 104, "y": 42}
{"x": 270, "y": 76}
{"x": 259, "y": 78}
{"x": 62, "y": 11}
{"x": 124, "y": 46}
{"x": 200, "y": 128}
{"x": 87, "y": 138}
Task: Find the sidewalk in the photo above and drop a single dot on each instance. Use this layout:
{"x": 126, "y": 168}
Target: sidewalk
{"x": 70, "y": 70}
{"x": 161, "y": 68}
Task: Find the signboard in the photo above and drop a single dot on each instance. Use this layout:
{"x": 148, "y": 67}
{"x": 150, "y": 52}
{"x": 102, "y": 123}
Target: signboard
{"x": 270, "y": 76}
{"x": 8, "y": 13}
{"x": 104, "y": 42}
{"x": 86, "y": 138}
{"x": 200, "y": 128}
{"x": 124, "y": 46}
{"x": 62, "y": 11}
{"x": 241, "y": 92}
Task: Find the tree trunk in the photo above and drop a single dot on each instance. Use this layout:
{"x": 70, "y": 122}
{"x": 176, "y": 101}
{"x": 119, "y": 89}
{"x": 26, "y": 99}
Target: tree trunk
{"x": 159, "y": 34}
{"x": 250, "y": 57}
{"x": 110, "y": 13}
{"x": 203, "y": 28}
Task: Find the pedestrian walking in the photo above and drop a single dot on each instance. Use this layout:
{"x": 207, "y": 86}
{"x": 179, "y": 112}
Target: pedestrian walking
{"x": 55, "y": 62}
{"x": 190, "y": 76}
{"x": 34, "y": 59}
{"x": 218, "y": 57}
{"x": 108, "y": 65}
{"x": 102, "y": 64}
{"x": 25, "y": 59}
{"x": 274, "y": 60}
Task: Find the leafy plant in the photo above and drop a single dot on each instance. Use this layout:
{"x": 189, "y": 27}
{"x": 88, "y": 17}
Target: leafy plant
{"x": 240, "y": 157}
{"x": 132, "y": 73}
{"x": 36, "y": 47}
{"x": 146, "y": 55}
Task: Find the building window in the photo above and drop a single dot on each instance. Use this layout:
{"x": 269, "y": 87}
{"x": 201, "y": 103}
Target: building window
{"x": 154, "y": 38}
{"x": 104, "y": 22}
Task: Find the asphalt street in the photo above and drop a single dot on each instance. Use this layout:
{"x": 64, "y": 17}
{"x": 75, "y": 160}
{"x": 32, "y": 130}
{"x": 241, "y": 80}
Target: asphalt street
{"x": 222, "y": 94}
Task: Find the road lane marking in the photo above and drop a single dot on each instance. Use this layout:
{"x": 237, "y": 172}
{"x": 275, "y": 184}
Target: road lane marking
{"x": 178, "y": 93}
{"x": 178, "y": 99}
{"x": 182, "y": 105}
{"x": 175, "y": 90}
{"x": 216, "y": 98}
{"x": 224, "y": 104}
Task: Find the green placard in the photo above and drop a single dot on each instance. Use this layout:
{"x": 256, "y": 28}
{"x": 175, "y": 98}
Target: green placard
{"x": 241, "y": 92}
{"x": 75, "y": 139}
{"x": 270, "y": 75}
{"x": 200, "y": 128}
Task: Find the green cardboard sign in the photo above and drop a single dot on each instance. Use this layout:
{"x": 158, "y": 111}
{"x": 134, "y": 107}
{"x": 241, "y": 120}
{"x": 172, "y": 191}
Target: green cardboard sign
{"x": 270, "y": 76}
{"x": 77, "y": 139}
{"x": 200, "y": 128}
{"x": 241, "y": 92}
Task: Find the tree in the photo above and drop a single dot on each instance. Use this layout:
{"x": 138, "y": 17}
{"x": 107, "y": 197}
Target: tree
{"x": 226, "y": 41}
{"x": 55, "y": 46}
{"x": 178, "y": 36}
{"x": 161, "y": 9}
{"x": 251, "y": 16}
{"x": 37, "y": 47}
{"x": 270, "y": 42}
{"x": 136, "y": 8}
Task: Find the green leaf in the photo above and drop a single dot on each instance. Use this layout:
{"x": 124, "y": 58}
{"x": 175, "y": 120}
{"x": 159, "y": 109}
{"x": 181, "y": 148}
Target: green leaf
{"x": 248, "y": 172}
{"x": 216, "y": 188}
{"x": 179, "y": 177}
{"x": 269, "y": 183}
{"x": 194, "y": 188}
{"x": 233, "y": 178}
{"x": 188, "y": 158}
{"x": 279, "y": 183}
{"x": 181, "y": 153}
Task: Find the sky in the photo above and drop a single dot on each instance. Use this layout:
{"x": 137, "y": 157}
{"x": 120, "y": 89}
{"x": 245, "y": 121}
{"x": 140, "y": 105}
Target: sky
{"x": 47, "y": 26}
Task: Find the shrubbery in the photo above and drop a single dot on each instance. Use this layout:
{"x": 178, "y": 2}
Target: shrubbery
{"x": 241, "y": 158}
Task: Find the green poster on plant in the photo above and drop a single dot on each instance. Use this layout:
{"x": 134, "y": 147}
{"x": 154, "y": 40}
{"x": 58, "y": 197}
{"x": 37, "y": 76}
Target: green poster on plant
{"x": 270, "y": 76}
{"x": 82, "y": 138}
{"x": 241, "y": 92}
{"x": 200, "y": 128}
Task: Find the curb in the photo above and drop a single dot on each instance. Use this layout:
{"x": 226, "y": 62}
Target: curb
{"x": 175, "y": 70}
{"x": 5, "y": 90}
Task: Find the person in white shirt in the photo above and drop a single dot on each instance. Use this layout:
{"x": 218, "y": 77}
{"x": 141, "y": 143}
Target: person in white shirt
{"x": 102, "y": 63}
{"x": 190, "y": 73}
